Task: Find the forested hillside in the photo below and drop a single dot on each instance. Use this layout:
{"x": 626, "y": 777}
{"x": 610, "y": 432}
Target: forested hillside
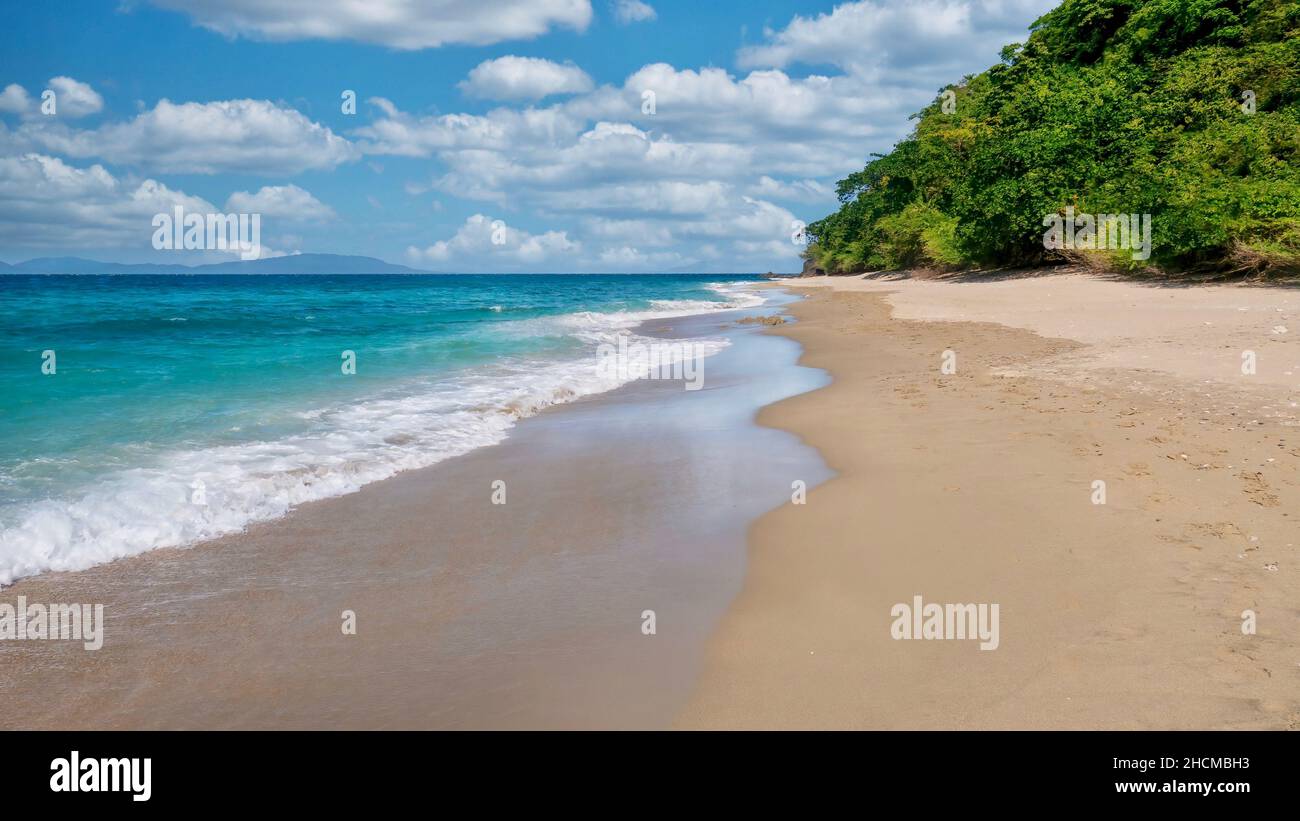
{"x": 1184, "y": 110}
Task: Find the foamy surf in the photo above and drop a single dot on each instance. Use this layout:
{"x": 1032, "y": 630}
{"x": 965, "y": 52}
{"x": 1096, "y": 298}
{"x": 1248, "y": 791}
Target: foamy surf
{"x": 187, "y": 496}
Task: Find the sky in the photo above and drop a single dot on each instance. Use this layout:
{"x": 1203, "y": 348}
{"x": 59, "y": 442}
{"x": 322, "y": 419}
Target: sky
{"x": 485, "y": 136}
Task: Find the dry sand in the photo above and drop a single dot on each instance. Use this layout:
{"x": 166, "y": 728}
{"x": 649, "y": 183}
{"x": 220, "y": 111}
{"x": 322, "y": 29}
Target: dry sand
{"x": 977, "y": 487}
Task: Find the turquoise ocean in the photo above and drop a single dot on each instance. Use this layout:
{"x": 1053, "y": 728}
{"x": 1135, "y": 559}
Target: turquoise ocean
{"x": 181, "y": 408}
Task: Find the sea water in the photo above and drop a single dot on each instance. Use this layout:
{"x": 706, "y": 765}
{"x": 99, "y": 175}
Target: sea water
{"x": 139, "y": 412}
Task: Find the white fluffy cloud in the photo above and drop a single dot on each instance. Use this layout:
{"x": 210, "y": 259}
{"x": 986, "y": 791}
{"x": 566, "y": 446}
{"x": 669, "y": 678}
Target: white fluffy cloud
{"x": 230, "y": 136}
{"x": 920, "y": 34}
{"x": 287, "y": 201}
{"x": 484, "y": 243}
{"x": 633, "y": 11}
{"x": 503, "y": 129}
{"x": 627, "y": 258}
{"x": 711, "y": 137}
{"x": 611, "y": 167}
{"x": 792, "y": 126}
{"x": 707, "y": 124}
{"x": 44, "y": 202}
{"x": 524, "y": 78}
{"x": 401, "y": 24}
{"x": 14, "y": 99}
{"x": 697, "y": 182}
{"x": 72, "y": 99}
{"x": 806, "y": 190}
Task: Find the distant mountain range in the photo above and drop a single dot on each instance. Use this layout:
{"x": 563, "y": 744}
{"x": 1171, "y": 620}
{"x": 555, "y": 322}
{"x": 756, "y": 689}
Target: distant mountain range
{"x": 296, "y": 264}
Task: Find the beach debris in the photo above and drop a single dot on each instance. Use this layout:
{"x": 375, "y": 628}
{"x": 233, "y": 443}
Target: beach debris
{"x": 761, "y": 320}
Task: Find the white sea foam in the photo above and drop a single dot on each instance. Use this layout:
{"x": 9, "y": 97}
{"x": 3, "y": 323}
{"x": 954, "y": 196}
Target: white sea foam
{"x": 340, "y": 449}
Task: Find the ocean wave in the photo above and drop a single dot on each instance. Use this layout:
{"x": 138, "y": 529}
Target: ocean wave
{"x": 188, "y": 496}
{"x": 604, "y": 326}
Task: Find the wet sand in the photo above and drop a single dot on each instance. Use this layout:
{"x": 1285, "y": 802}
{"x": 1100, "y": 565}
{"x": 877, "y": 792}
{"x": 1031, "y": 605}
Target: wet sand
{"x": 977, "y": 487}
{"x": 469, "y": 614}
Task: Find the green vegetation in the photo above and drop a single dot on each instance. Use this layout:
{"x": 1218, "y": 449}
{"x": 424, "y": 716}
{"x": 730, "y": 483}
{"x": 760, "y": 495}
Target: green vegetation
{"x": 1111, "y": 107}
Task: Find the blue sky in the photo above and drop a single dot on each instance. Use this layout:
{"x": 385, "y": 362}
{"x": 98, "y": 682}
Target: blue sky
{"x": 524, "y": 114}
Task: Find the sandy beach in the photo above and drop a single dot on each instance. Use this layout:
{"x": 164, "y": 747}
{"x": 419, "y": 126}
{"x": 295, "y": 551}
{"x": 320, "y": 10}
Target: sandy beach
{"x": 971, "y": 484}
{"x": 978, "y": 487}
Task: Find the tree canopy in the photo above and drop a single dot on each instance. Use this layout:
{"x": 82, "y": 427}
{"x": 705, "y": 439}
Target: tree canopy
{"x": 1187, "y": 110}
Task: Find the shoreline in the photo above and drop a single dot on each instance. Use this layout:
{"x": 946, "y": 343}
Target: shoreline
{"x": 971, "y": 487}
{"x": 468, "y": 614}
{"x": 978, "y": 487}
{"x": 91, "y": 479}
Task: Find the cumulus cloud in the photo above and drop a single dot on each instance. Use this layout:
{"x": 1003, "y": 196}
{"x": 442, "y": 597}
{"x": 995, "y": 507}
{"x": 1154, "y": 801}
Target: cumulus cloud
{"x": 810, "y": 125}
{"x": 287, "y": 201}
{"x": 524, "y": 78}
{"x": 503, "y": 129}
{"x": 72, "y": 99}
{"x": 743, "y": 233}
{"x": 611, "y": 166}
{"x": 707, "y": 123}
{"x": 230, "y": 136}
{"x": 629, "y": 258}
{"x": 484, "y": 243}
{"x": 44, "y": 202}
{"x": 932, "y": 35}
{"x": 14, "y": 99}
{"x": 401, "y": 24}
{"x": 661, "y": 197}
{"x": 807, "y": 190}
{"x": 633, "y": 11}
{"x": 706, "y": 171}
